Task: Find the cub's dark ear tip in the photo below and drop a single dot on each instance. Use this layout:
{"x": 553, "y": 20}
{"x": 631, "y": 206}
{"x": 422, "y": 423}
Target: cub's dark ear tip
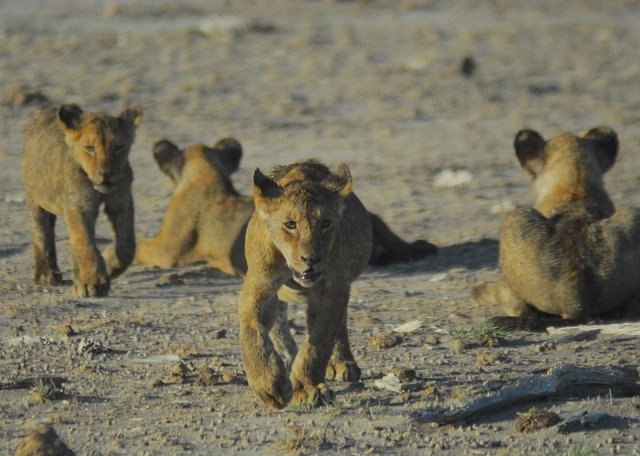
{"x": 528, "y": 136}
{"x": 163, "y": 146}
{"x": 70, "y": 115}
{"x": 230, "y": 144}
{"x": 603, "y": 133}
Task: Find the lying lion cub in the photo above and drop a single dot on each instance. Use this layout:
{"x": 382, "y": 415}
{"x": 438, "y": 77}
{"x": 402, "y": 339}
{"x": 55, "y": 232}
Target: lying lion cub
{"x": 74, "y": 162}
{"x": 572, "y": 256}
{"x": 309, "y": 237}
{"x": 206, "y": 216}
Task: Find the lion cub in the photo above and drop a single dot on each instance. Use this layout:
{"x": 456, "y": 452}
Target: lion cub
{"x": 309, "y": 236}
{"x": 73, "y": 162}
{"x": 206, "y": 217}
{"x": 571, "y": 256}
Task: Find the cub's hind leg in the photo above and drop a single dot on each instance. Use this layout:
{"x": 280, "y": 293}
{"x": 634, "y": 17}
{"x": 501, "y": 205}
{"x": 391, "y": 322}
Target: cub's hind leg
{"x": 499, "y": 293}
{"x": 44, "y": 246}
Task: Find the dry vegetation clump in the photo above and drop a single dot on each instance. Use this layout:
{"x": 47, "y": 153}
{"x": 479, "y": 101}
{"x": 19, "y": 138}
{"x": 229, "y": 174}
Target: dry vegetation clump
{"x": 382, "y": 341}
{"x": 535, "y": 419}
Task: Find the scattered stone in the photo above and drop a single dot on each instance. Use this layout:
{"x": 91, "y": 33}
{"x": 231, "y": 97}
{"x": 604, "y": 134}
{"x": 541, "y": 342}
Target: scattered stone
{"x": 468, "y": 66}
{"x": 502, "y": 207}
{"x": 543, "y": 88}
{"x": 383, "y": 341}
{"x": 439, "y": 277}
{"x": 452, "y": 178}
{"x": 89, "y": 347}
{"x": 534, "y": 420}
{"x": 581, "y": 422}
{"x": 14, "y": 198}
{"x": 389, "y": 382}
{"x": 220, "y": 334}
{"x": 544, "y": 347}
{"x": 408, "y": 327}
{"x": 42, "y": 440}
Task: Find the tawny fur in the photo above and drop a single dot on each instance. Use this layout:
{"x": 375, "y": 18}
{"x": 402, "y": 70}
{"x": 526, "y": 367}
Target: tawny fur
{"x": 307, "y": 241}
{"x": 42, "y": 440}
{"x": 206, "y": 217}
{"x": 74, "y": 162}
{"x": 572, "y": 256}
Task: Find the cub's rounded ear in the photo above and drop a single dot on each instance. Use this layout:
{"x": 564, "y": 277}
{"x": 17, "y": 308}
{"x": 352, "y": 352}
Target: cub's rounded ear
{"x": 530, "y": 150}
{"x": 229, "y": 152}
{"x": 169, "y": 159}
{"x": 264, "y": 186}
{"x": 607, "y": 145}
{"x": 343, "y": 181}
{"x": 133, "y": 114}
{"x": 71, "y": 116}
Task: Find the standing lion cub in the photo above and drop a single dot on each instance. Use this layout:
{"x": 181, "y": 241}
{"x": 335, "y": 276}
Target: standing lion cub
{"x": 571, "y": 256}
{"x": 309, "y": 236}
{"x": 73, "y": 162}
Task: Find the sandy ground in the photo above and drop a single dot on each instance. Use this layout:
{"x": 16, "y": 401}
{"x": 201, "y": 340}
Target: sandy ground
{"x": 376, "y": 84}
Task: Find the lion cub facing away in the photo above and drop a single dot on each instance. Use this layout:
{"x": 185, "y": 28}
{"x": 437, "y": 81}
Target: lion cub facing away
{"x": 309, "y": 236}
{"x": 73, "y": 162}
{"x": 572, "y": 256}
{"x": 206, "y": 216}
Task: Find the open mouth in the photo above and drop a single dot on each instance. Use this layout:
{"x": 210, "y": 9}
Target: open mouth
{"x": 307, "y": 278}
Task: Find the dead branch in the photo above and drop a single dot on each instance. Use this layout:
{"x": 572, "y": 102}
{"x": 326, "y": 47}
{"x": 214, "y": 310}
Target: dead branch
{"x": 566, "y": 380}
{"x": 616, "y": 329}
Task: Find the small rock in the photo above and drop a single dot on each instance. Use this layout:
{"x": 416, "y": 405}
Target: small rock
{"x": 220, "y": 334}
{"x": 452, "y": 178}
{"x": 408, "y": 327}
{"x": 468, "y": 66}
{"x": 389, "y": 382}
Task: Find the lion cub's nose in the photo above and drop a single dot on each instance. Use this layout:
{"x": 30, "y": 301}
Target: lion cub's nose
{"x": 311, "y": 261}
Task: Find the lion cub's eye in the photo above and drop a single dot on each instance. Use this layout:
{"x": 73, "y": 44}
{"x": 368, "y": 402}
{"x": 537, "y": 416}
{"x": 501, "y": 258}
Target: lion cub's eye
{"x": 90, "y": 150}
{"x": 326, "y": 223}
{"x": 290, "y": 225}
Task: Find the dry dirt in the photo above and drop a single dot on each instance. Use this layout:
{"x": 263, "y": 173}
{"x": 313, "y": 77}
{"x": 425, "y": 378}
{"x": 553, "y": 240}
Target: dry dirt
{"x": 155, "y": 368}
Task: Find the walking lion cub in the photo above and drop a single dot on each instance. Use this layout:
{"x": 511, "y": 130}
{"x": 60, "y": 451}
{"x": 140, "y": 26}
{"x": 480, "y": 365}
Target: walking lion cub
{"x": 74, "y": 162}
{"x": 309, "y": 237}
{"x": 572, "y": 256}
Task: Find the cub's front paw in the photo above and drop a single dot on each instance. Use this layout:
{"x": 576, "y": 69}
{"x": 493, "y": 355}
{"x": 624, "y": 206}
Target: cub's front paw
{"x": 86, "y": 290}
{"x": 274, "y": 390}
{"x": 347, "y": 371}
{"x": 48, "y": 277}
{"x": 313, "y": 396}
